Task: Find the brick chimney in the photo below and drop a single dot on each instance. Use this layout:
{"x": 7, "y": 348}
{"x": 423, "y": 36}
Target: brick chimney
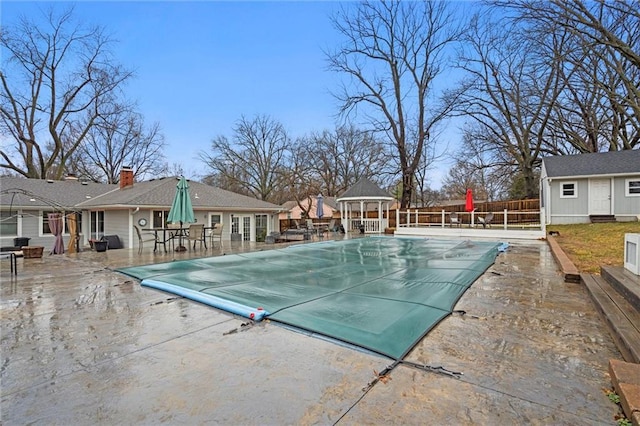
{"x": 126, "y": 177}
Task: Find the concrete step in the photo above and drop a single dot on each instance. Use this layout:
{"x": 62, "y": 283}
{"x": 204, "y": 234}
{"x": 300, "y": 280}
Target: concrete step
{"x": 625, "y": 283}
{"x": 622, "y": 319}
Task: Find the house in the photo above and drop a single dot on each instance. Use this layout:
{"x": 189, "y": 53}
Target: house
{"x": 588, "y": 187}
{"x": 114, "y": 209}
{"x": 291, "y": 209}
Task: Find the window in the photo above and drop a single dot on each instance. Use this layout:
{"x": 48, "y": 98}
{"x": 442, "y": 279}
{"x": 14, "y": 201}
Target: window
{"x": 160, "y": 218}
{"x": 569, "y": 190}
{"x": 261, "y": 227}
{"x": 632, "y": 188}
{"x": 215, "y": 218}
{"x": 9, "y": 223}
{"x": 97, "y": 225}
{"x": 45, "y": 230}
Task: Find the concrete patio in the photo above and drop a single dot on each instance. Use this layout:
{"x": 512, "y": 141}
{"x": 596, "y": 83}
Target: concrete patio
{"x": 82, "y": 344}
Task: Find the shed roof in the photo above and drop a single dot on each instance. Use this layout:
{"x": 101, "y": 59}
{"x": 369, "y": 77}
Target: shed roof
{"x": 592, "y": 164}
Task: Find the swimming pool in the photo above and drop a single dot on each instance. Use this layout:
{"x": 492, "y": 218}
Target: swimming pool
{"x": 379, "y": 293}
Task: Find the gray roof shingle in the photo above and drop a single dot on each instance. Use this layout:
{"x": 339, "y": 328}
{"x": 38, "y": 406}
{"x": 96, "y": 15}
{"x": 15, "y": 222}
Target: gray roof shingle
{"x": 365, "y": 188}
{"x": 152, "y": 193}
{"x": 39, "y": 193}
{"x": 599, "y": 163}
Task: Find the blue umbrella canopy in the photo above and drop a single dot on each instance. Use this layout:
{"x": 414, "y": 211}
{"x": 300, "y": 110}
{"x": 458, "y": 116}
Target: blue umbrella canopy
{"x": 181, "y": 209}
{"x": 319, "y": 206}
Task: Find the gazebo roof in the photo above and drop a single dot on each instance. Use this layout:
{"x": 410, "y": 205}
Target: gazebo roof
{"x": 365, "y": 189}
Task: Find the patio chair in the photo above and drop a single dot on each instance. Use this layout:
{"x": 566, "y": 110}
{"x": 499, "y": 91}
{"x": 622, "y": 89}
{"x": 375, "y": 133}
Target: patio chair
{"x": 196, "y": 234}
{"x": 311, "y": 228}
{"x": 454, "y": 219}
{"x": 142, "y": 240}
{"x": 486, "y": 221}
{"x": 216, "y": 233}
{"x": 332, "y": 226}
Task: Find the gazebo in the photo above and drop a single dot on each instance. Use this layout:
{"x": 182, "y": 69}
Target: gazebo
{"x": 364, "y": 196}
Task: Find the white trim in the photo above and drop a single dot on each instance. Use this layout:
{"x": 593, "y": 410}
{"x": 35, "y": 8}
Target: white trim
{"x": 594, "y": 176}
{"x": 214, "y": 213}
{"x": 627, "y": 186}
{"x": 575, "y": 189}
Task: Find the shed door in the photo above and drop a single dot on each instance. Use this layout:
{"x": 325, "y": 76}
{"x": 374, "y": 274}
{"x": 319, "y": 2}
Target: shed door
{"x": 599, "y": 196}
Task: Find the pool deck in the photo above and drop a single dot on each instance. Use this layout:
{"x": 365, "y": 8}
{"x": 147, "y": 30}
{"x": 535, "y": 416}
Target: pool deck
{"x": 82, "y": 344}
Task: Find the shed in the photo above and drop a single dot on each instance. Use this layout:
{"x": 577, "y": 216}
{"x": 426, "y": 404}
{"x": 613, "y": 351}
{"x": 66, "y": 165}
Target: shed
{"x": 592, "y": 187}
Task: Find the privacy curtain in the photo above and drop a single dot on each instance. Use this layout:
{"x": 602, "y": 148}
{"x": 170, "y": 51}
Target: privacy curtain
{"x": 55, "y": 225}
{"x": 72, "y": 224}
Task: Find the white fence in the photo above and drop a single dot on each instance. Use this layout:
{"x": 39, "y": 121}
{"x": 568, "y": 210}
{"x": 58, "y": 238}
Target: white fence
{"x": 505, "y": 219}
{"x": 371, "y": 226}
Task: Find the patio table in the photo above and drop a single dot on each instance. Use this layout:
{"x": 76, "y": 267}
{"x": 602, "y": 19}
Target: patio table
{"x": 172, "y": 233}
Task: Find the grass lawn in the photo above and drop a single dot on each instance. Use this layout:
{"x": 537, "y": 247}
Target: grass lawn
{"x": 591, "y": 245}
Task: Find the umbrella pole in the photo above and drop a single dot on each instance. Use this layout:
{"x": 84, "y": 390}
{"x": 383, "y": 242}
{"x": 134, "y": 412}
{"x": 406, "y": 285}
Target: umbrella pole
{"x": 180, "y": 247}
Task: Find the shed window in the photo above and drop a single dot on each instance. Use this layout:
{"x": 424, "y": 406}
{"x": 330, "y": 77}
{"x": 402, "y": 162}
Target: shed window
{"x": 632, "y": 187}
{"x": 569, "y": 190}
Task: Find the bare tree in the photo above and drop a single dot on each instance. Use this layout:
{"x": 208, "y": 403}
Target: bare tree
{"x": 479, "y": 166}
{"x": 123, "y": 140}
{"x": 393, "y": 54}
{"x": 253, "y": 161}
{"x": 52, "y": 90}
{"x": 463, "y": 176}
{"x": 341, "y": 157}
{"x": 510, "y": 92}
{"x": 602, "y": 66}
{"x": 300, "y": 183}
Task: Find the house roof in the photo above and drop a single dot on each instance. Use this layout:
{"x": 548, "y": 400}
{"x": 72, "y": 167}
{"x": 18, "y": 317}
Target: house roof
{"x": 365, "y": 188}
{"x": 39, "y": 193}
{"x": 599, "y": 163}
{"x": 328, "y": 201}
{"x": 152, "y": 193}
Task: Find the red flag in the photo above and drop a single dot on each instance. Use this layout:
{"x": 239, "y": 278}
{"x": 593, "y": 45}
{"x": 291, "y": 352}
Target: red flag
{"x": 469, "y": 204}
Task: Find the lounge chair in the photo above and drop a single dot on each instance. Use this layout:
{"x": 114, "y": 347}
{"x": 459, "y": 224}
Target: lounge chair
{"x": 454, "y": 219}
{"x": 486, "y": 221}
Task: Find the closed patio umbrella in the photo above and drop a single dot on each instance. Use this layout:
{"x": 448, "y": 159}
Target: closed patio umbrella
{"x": 468, "y": 207}
{"x": 319, "y": 206}
{"x": 181, "y": 209}
{"x": 55, "y": 225}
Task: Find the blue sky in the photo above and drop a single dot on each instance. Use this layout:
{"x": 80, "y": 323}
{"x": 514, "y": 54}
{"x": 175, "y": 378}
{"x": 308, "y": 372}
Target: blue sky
{"x": 201, "y": 65}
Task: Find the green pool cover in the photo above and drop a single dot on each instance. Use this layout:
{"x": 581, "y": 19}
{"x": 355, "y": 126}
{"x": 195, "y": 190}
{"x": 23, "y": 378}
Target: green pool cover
{"x": 380, "y": 293}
